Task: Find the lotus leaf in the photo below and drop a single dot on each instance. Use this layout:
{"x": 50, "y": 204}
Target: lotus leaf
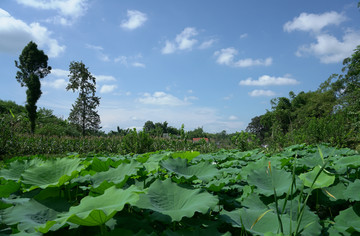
{"x": 98, "y": 210}
{"x": 267, "y": 180}
{"x": 203, "y": 170}
{"x": 101, "y": 165}
{"x": 116, "y": 175}
{"x": 28, "y": 215}
{"x": 349, "y": 219}
{"x": 352, "y": 191}
{"x": 325, "y": 179}
{"x": 7, "y": 187}
{"x": 169, "y": 199}
{"x": 17, "y": 167}
{"x": 52, "y": 173}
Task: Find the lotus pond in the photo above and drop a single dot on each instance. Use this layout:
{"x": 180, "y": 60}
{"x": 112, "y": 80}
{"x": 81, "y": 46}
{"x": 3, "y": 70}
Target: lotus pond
{"x": 304, "y": 190}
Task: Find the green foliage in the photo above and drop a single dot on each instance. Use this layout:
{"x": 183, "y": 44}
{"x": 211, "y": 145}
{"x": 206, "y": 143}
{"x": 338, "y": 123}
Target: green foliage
{"x": 245, "y": 141}
{"x": 32, "y": 67}
{"x": 83, "y": 112}
{"x": 166, "y": 193}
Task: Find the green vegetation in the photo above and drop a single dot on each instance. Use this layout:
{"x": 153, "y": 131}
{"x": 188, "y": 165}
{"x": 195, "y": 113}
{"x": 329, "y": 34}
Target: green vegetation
{"x": 32, "y": 67}
{"x": 84, "y": 113}
{"x": 304, "y": 190}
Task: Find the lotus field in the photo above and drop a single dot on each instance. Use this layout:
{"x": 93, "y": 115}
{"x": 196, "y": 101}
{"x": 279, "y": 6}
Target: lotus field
{"x": 304, "y": 190}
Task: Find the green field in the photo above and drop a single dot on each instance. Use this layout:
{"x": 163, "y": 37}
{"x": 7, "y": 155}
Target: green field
{"x": 303, "y": 190}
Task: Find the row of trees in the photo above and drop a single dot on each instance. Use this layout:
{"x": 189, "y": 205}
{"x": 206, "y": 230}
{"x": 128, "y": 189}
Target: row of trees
{"x": 33, "y": 66}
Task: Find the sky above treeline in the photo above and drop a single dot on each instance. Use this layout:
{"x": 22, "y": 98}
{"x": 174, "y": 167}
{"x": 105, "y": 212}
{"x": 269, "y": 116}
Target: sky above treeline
{"x": 211, "y": 64}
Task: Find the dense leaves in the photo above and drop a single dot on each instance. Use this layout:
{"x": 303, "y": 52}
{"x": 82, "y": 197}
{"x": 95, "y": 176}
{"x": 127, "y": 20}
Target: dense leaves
{"x": 303, "y": 190}
{"x": 32, "y": 67}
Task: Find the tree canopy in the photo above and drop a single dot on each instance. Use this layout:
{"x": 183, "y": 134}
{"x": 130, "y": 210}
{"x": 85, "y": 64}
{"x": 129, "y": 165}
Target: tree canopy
{"x": 83, "y": 112}
{"x": 33, "y": 66}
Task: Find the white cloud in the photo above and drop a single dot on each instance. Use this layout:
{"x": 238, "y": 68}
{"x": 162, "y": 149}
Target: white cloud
{"x": 56, "y": 84}
{"x": 314, "y": 22}
{"x": 15, "y": 35}
{"x": 68, "y": 10}
{"x": 245, "y": 35}
{"x": 329, "y": 49}
{"x": 99, "y": 50}
{"x": 161, "y": 98}
{"x": 138, "y": 64}
{"x": 267, "y": 80}
{"x": 131, "y": 60}
{"x": 226, "y": 57}
{"x": 260, "y": 92}
{"x": 232, "y": 117}
{"x": 59, "y": 72}
{"x": 207, "y": 44}
{"x": 169, "y": 48}
{"x": 106, "y": 88}
{"x": 102, "y": 78}
{"x": 183, "y": 41}
{"x": 135, "y": 20}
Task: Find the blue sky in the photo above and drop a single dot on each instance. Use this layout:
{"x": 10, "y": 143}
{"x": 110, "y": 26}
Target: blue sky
{"x": 211, "y": 64}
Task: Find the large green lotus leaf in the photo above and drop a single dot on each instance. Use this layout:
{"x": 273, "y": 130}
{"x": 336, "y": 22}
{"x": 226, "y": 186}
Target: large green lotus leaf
{"x": 94, "y": 211}
{"x": 352, "y": 191}
{"x": 349, "y": 219}
{"x": 203, "y": 170}
{"x": 8, "y": 187}
{"x": 309, "y": 160}
{"x": 28, "y": 216}
{"x": 342, "y": 163}
{"x": 310, "y": 222}
{"x": 266, "y": 180}
{"x": 16, "y": 168}
{"x": 259, "y": 164}
{"x": 116, "y": 175}
{"x": 325, "y": 179}
{"x": 169, "y": 199}
{"x": 185, "y": 155}
{"x": 52, "y": 173}
{"x": 253, "y": 220}
{"x": 152, "y": 163}
{"x": 336, "y": 192}
{"x": 101, "y": 164}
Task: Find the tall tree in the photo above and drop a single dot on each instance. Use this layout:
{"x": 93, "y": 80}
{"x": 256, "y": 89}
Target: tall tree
{"x": 83, "y": 112}
{"x": 32, "y": 67}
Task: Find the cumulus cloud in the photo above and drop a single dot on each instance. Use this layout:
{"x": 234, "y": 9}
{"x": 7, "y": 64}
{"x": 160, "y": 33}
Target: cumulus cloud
{"x": 207, "y": 44}
{"x": 183, "y": 41}
{"x": 59, "y": 82}
{"x": 226, "y": 56}
{"x": 130, "y": 61}
{"x": 161, "y": 98}
{"x": 68, "y": 10}
{"x": 314, "y": 22}
{"x": 232, "y": 117}
{"x": 328, "y": 48}
{"x": 15, "y": 34}
{"x": 102, "y": 78}
{"x": 261, "y": 92}
{"x": 106, "y": 88}
{"x": 135, "y": 20}
{"x": 99, "y": 50}
{"x": 138, "y": 64}
{"x": 267, "y": 80}
{"x": 56, "y": 84}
